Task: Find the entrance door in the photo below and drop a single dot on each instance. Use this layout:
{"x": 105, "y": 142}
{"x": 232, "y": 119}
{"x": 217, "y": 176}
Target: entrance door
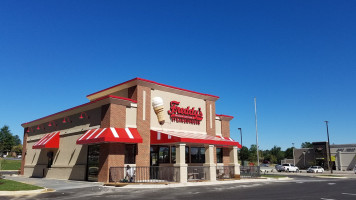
{"x": 93, "y": 162}
{"x": 154, "y": 162}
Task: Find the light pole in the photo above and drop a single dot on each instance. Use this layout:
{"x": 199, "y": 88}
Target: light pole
{"x": 304, "y": 157}
{"x": 329, "y": 163}
{"x": 258, "y": 156}
{"x": 293, "y": 154}
{"x": 241, "y": 146}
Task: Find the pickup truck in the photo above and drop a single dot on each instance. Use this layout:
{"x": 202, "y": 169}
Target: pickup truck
{"x": 289, "y": 168}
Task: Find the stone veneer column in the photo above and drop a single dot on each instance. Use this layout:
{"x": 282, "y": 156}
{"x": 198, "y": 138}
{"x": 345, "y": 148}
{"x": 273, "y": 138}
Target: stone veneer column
{"x": 210, "y": 166}
{"x": 24, "y": 151}
{"x": 234, "y": 161}
{"x": 180, "y": 163}
{"x": 111, "y": 154}
{"x": 210, "y": 118}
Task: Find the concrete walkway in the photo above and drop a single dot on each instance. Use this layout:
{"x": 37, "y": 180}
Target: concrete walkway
{"x": 53, "y": 183}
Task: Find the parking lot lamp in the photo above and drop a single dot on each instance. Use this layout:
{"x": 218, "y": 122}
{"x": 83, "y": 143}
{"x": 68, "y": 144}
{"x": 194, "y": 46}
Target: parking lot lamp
{"x": 327, "y": 132}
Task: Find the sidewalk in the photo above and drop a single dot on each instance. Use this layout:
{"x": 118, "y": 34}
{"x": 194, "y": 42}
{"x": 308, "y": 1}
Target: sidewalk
{"x": 69, "y": 184}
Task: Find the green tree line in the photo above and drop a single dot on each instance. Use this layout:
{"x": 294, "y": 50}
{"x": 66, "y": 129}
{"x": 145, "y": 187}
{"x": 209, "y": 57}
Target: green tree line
{"x": 273, "y": 155}
{"x": 9, "y": 142}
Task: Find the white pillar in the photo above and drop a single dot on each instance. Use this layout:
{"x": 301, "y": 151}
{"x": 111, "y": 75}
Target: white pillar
{"x": 209, "y": 165}
{"x": 180, "y": 163}
{"x": 339, "y": 161}
{"x": 234, "y": 161}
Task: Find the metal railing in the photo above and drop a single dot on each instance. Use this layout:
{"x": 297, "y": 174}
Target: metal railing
{"x": 225, "y": 172}
{"x": 249, "y": 171}
{"x": 152, "y": 174}
{"x": 197, "y": 173}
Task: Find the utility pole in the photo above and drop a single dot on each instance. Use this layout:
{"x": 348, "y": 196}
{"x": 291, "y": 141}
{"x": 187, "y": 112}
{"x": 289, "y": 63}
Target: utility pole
{"x": 241, "y": 146}
{"x": 258, "y": 157}
{"x": 330, "y": 166}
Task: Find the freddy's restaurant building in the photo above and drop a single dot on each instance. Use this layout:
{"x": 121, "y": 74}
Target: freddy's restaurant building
{"x": 165, "y": 133}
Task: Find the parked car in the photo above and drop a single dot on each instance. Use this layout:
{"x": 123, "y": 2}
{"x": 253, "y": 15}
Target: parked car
{"x": 315, "y": 169}
{"x": 289, "y": 168}
{"x": 355, "y": 169}
{"x": 278, "y": 168}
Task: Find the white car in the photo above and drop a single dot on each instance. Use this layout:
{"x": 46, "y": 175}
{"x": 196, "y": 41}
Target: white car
{"x": 289, "y": 168}
{"x": 315, "y": 169}
{"x": 355, "y": 169}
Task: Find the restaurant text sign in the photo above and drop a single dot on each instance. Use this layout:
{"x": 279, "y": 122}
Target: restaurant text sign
{"x": 185, "y": 115}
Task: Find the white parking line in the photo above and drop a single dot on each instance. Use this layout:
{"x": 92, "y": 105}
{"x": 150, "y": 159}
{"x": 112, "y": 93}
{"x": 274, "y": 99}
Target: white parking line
{"x": 349, "y": 194}
{"x": 327, "y": 199}
{"x": 331, "y": 183}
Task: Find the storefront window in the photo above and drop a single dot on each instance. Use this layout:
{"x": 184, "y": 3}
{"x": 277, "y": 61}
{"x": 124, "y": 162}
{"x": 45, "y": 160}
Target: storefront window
{"x": 197, "y": 154}
{"x": 173, "y": 154}
{"x": 219, "y": 155}
{"x": 163, "y": 155}
{"x": 130, "y": 153}
{"x": 187, "y": 155}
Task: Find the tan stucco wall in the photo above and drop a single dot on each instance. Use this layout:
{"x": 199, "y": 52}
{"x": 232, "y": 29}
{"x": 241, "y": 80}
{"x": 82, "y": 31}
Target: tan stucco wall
{"x": 69, "y": 160}
{"x": 131, "y": 115}
{"x": 218, "y": 127}
{"x": 185, "y": 101}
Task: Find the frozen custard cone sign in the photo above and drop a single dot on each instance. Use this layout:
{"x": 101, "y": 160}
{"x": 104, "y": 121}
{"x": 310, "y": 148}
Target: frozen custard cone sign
{"x": 185, "y": 115}
{"x": 157, "y": 103}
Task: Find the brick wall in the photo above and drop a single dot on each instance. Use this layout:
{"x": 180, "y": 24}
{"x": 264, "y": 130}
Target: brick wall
{"x": 111, "y": 154}
{"x": 143, "y": 126}
{"x": 210, "y": 128}
{"x": 24, "y": 148}
{"x": 225, "y": 128}
{"x": 226, "y": 156}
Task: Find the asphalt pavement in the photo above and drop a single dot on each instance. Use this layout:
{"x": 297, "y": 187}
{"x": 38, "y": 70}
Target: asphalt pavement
{"x": 299, "y": 187}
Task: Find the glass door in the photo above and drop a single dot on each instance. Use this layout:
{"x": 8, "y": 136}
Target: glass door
{"x": 93, "y": 162}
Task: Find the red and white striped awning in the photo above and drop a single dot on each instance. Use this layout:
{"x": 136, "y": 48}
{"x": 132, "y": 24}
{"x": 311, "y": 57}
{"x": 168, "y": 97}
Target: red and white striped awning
{"x": 106, "y": 135}
{"x": 50, "y": 140}
{"x": 166, "y": 137}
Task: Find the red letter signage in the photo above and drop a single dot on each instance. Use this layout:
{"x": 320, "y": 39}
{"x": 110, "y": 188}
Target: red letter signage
{"x": 185, "y": 115}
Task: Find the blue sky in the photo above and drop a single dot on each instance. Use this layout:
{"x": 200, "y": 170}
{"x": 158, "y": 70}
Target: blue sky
{"x": 297, "y": 57}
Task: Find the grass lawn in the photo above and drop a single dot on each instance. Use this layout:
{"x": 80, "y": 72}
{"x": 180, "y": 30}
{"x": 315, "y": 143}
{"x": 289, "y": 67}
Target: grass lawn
{"x": 10, "y": 164}
{"x": 273, "y": 176}
{"x": 9, "y": 185}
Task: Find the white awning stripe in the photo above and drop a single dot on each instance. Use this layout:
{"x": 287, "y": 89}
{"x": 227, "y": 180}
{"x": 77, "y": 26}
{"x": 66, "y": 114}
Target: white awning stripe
{"x": 55, "y": 133}
{"x": 92, "y": 133}
{"x": 100, "y": 133}
{"x": 129, "y": 133}
{"x": 84, "y": 134}
{"x": 45, "y": 138}
{"x": 114, "y": 132}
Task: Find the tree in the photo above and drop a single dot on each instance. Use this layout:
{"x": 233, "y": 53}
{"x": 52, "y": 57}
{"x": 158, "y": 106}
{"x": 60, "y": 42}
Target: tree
{"x": 307, "y": 145}
{"x": 289, "y": 153}
{"x": 278, "y": 153}
{"x": 244, "y": 154}
{"x": 6, "y": 139}
{"x": 17, "y": 149}
{"x": 252, "y": 155}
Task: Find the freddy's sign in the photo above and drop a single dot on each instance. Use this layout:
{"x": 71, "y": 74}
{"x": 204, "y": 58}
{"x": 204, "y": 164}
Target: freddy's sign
{"x": 185, "y": 115}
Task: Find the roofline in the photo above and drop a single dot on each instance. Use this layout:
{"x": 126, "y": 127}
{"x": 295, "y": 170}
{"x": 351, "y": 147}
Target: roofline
{"x": 149, "y": 81}
{"x": 228, "y": 116}
{"x": 82, "y": 105}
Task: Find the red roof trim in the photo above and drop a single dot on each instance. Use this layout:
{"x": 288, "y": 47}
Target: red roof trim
{"x": 96, "y": 100}
{"x": 141, "y": 79}
{"x": 224, "y": 116}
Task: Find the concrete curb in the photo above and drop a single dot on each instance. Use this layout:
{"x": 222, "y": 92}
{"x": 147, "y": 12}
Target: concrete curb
{"x": 24, "y": 192}
{"x": 189, "y": 184}
{"x": 340, "y": 177}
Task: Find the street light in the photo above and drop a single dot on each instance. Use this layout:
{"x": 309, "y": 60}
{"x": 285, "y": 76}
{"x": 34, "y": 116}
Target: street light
{"x": 327, "y": 131}
{"x": 293, "y": 154}
{"x": 241, "y": 146}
